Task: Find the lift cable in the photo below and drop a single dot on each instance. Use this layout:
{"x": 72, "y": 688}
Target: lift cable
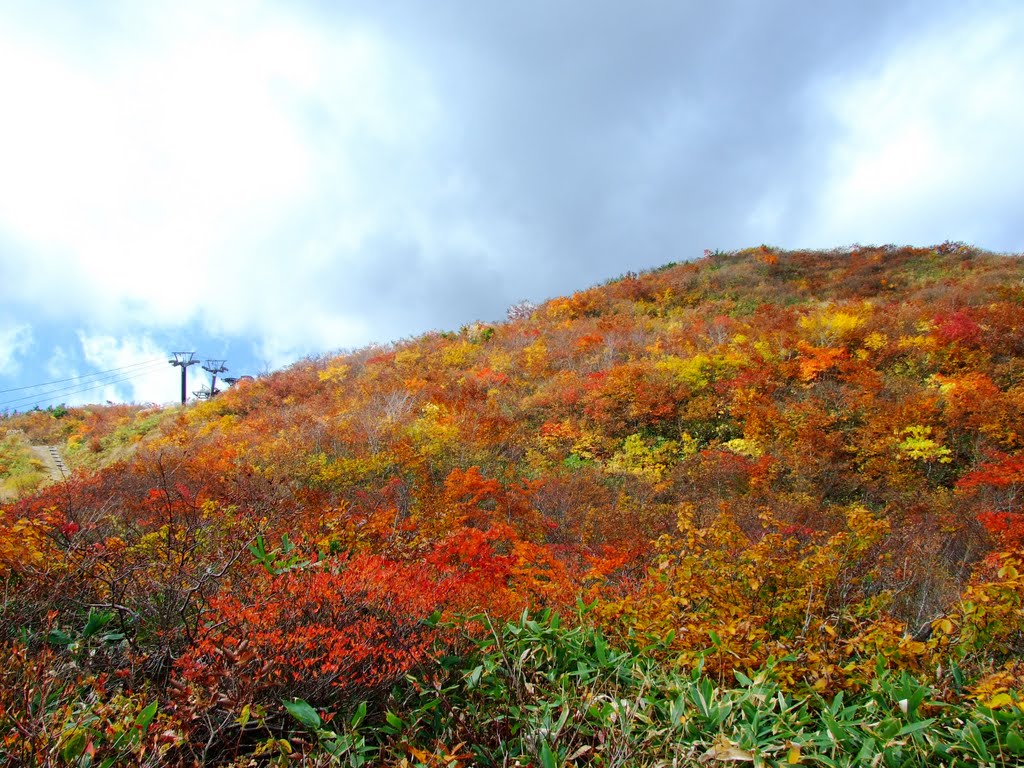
{"x": 83, "y": 386}
{"x": 77, "y": 378}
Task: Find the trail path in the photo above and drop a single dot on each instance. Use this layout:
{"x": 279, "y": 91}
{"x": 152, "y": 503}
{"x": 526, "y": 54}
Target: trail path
{"x": 50, "y": 456}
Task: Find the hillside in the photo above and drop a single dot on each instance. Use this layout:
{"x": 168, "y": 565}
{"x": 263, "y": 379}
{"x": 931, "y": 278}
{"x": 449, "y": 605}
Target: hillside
{"x": 795, "y": 470}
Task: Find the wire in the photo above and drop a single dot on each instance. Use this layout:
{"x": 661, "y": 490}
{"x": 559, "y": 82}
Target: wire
{"x": 53, "y": 396}
{"x": 84, "y": 376}
{"x": 75, "y": 389}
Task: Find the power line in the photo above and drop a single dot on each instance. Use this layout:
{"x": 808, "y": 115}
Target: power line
{"x": 110, "y": 377}
{"x": 82, "y": 386}
{"x": 74, "y": 378}
{"x": 64, "y": 393}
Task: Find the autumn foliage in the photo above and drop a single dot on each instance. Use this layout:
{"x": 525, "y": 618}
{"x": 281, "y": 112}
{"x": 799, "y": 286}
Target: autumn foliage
{"x": 807, "y": 461}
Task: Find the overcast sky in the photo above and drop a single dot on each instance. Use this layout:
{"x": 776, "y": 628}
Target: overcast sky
{"x": 260, "y": 181}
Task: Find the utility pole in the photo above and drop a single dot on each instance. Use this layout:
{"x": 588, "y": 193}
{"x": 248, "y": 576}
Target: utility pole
{"x": 183, "y": 360}
{"x": 214, "y": 367}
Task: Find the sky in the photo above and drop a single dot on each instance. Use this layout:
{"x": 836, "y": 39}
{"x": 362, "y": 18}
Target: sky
{"x": 258, "y": 182}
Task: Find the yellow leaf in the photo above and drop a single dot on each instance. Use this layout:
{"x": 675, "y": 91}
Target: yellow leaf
{"x": 945, "y": 626}
{"x": 793, "y": 757}
{"x": 725, "y": 751}
{"x": 999, "y": 700}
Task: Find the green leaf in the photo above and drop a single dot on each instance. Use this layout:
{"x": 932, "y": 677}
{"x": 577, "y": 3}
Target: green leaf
{"x": 302, "y": 712}
{"x": 547, "y": 758}
{"x": 259, "y": 548}
{"x": 913, "y": 727}
{"x": 75, "y": 745}
{"x": 96, "y": 622}
{"x": 393, "y": 720}
{"x": 867, "y": 751}
{"x": 972, "y": 735}
{"x": 888, "y": 728}
{"x": 360, "y": 715}
{"x": 958, "y": 675}
{"x": 146, "y": 717}
{"x": 583, "y": 607}
{"x": 600, "y": 648}
{"x": 57, "y": 637}
{"x": 1015, "y": 743}
{"x": 562, "y": 719}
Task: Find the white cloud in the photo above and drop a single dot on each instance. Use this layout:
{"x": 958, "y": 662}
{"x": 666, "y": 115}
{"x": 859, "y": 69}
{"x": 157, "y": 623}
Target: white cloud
{"x": 930, "y": 140}
{"x": 15, "y": 340}
{"x": 60, "y": 364}
{"x": 193, "y": 166}
{"x": 138, "y": 371}
{"x": 281, "y": 179}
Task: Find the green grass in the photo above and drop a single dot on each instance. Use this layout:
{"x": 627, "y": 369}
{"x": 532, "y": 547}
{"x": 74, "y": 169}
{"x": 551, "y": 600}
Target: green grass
{"x": 540, "y": 692}
{"x": 20, "y": 470}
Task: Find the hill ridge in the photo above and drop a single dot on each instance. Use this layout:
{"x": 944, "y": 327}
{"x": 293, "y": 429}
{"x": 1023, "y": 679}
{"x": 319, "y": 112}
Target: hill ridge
{"x": 800, "y": 461}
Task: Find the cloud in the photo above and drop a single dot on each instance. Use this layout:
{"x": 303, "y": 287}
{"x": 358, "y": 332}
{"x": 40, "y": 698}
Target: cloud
{"x": 295, "y": 178}
{"x": 15, "y": 340}
{"x": 172, "y": 177}
{"x": 931, "y": 140}
{"x": 139, "y": 371}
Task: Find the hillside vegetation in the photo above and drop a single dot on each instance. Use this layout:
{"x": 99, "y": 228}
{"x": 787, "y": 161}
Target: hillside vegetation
{"x": 761, "y": 507}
